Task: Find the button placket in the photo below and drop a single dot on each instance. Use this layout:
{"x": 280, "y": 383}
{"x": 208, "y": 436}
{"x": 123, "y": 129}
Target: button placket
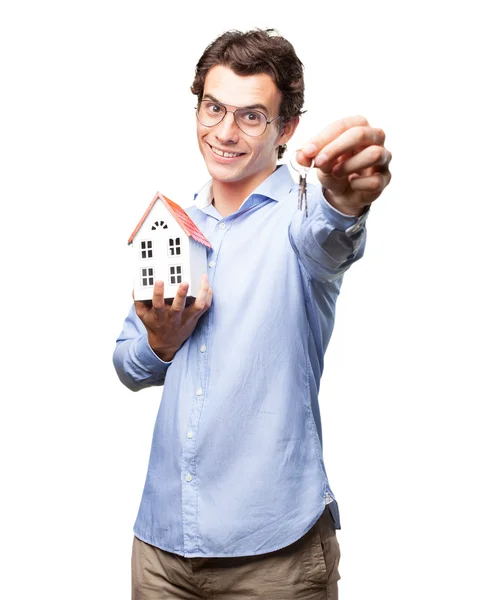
{"x": 216, "y": 238}
{"x": 188, "y": 472}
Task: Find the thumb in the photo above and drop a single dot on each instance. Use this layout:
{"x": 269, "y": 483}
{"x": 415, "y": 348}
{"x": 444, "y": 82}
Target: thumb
{"x": 140, "y": 307}
{"x": 306, "y": 155}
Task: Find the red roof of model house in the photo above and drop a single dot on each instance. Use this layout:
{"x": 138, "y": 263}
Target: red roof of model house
{"x": 180, "y": 217}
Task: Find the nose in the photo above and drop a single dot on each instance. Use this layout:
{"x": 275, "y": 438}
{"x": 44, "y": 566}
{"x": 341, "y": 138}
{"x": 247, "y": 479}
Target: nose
{"x": 227, "y": 130}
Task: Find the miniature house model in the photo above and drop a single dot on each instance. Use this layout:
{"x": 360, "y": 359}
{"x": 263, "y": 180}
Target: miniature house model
{"x": 167, "y": 246}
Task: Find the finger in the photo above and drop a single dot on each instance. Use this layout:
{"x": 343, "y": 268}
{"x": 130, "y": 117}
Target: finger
{"x": 209, "y": 298}
{"x": 204, "y": 283}
{"x": 342, "y": 159}
{"x": 353, "y": 140}
{"x": 371, "y": 156}
{"x": 140, "y": 307}
{"x": 206, "y": 305}
{"x": 158, "y": 299}
{"x": 371, "y": 183}
{"x": 179, "y": 301}
{"x": 316, "y": 144}
{"x": 200, "y": 301}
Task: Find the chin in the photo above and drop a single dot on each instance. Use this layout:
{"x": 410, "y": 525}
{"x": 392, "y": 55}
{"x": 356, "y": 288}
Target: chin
{"x": 224, "y": 177}
{"x": 224, "y": 173}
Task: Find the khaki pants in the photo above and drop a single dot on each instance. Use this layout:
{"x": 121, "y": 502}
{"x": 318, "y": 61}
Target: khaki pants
{"x": 306, "y": 569}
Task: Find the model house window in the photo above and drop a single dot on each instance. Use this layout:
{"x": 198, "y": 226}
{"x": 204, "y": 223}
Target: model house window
{"x": 158, "y": 224}
{"x": 175, "y": 275}
{"x": 147, "y": 249}
{"x": 147, "y": 277}
{"x": 174, "y": 247}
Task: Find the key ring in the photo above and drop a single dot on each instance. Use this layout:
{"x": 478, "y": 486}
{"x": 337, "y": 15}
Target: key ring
{"x": 301, "y": 169}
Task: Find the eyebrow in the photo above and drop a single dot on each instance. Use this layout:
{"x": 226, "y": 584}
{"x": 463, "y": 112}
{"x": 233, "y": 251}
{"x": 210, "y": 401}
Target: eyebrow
{"x": 211, "y": 97}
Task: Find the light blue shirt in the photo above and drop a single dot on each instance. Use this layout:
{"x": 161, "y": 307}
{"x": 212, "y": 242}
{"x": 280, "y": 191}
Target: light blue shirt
{"x": 236, "y": 465}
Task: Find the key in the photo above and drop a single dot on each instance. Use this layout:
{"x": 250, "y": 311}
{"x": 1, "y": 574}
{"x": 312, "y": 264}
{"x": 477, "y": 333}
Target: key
{"x": 302, "y": 193}
{"x": 303, "y": 184}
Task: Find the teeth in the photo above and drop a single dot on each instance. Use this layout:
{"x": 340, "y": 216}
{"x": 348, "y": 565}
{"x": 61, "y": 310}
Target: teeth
{"x": 225, "y": 154}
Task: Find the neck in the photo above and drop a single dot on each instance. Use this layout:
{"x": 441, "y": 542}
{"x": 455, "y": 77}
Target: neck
{"x": 229, "y": 196}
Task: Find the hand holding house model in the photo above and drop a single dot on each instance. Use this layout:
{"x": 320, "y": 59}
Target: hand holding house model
{"x": 167, "y": 246}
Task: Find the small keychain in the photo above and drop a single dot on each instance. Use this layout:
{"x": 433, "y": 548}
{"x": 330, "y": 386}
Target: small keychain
{"x": 302, "y": 189}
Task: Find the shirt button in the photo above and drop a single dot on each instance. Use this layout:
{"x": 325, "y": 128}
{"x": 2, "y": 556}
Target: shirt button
{"x": 212, "y": 263}
{"x": 199, "y": 391}
{"x": 203, "y": 348}
{"x": 189, "y": 435}
{"x": 222, "y": 225}
{"x": 188, "y": 477}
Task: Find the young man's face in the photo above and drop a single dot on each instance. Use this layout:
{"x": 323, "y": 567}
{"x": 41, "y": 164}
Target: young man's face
{"x": 254, "y": 158}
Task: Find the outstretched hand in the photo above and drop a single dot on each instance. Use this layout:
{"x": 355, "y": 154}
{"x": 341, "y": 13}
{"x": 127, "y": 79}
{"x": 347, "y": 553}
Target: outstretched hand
{"x": 351, "y": 163}
{"x": 169, "y": 326}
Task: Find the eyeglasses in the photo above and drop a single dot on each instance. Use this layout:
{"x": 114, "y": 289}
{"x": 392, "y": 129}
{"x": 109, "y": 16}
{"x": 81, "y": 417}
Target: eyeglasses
{"x": 250, "y": 121}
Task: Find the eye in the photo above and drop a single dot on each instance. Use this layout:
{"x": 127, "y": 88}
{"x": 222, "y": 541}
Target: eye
{"x": 213, "y": 108}
{"x": 252, "y": 118}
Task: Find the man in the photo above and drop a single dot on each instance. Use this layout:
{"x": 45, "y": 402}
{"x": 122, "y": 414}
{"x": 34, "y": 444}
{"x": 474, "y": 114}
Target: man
{"x": 237, "y": 502}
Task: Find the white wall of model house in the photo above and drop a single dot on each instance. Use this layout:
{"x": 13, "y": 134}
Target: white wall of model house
{"x": 163, "y": 251}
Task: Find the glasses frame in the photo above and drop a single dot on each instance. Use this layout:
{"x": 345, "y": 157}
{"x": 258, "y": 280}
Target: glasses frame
{"x": 197, "y": 109}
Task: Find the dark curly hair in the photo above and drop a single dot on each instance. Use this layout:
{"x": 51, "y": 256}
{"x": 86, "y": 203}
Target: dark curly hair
{"x": 254, "y": 52}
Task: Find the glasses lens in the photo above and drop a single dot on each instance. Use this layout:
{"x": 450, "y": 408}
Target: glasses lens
{"x": 210, "y": 113}
{"x": 251, "y": 122}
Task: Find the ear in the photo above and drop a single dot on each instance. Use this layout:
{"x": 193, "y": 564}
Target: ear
{"x": 288, "y": 130}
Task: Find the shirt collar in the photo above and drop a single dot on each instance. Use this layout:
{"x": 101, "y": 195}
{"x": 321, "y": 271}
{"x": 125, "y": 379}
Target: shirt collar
{"x": 276, "y": 187}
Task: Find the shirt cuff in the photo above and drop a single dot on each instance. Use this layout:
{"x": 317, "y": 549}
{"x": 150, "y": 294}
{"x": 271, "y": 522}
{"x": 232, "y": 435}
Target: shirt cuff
{"x": 339, "y": 220}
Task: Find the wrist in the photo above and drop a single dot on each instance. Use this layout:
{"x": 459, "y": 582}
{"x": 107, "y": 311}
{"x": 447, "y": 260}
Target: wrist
{"x": 165, "y": 353}
{"x": 343, "y": 207}
{"x": 164, "y": 356}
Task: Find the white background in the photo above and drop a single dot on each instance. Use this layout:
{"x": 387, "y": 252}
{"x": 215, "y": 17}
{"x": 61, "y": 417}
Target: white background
{"x": 97, "y": 116}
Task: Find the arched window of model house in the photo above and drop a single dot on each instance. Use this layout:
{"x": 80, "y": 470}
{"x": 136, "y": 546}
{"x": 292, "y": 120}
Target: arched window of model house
{"x": 158, "y": 225}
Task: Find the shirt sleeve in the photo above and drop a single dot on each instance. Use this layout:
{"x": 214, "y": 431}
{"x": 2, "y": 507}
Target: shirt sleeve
{"x": 327, "y": 242}
{"x": 135, "y": 362}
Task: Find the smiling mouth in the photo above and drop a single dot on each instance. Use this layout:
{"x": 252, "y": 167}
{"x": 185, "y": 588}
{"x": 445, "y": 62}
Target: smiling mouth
{"x": 219, "y": 152}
